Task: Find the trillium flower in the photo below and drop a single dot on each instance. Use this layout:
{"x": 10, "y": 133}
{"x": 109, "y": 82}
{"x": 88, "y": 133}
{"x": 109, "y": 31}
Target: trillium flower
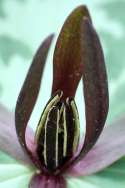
{"x": 55, "y": 149}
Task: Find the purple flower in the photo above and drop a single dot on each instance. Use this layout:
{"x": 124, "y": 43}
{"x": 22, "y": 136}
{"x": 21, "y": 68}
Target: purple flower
{"x": 55, "y": 149}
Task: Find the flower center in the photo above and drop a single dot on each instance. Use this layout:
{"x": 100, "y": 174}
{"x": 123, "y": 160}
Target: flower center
{"x": 57, "y": 134}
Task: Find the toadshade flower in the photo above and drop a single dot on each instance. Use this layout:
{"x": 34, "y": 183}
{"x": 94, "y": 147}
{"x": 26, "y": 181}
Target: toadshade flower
{"x": 55, "y": 149}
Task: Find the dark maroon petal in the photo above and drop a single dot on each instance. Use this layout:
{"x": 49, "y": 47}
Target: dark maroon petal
{"x": 8, "y": 138}
{"x": 95, "y": 87}
{"x": 68, "y": 56}
{"x": 30, "y": 90}
{"x": 109, "y": 148}
{"x": 42, "y": 181}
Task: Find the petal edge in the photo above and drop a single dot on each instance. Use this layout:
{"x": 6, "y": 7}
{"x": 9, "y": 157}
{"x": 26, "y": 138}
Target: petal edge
{"x": 109, "y": 148}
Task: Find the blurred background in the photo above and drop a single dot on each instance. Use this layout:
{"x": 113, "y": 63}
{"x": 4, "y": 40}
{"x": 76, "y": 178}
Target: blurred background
{"x": 25, "y": 23}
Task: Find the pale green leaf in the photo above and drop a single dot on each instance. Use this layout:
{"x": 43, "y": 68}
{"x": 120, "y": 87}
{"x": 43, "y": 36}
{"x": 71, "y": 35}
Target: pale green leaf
{"x": 21, "y": 181}
{"x": 113, "y": 177}
{"x": 6, "y": 159}
{"x": 13, "y": 174}
{"x": 9, "y": 171}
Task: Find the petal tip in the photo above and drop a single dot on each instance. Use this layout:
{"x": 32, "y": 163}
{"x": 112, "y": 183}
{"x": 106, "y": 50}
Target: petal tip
{"x": 83, "y": 11}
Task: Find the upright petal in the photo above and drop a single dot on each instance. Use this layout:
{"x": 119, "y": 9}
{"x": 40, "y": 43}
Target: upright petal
{"x": 68, "y": 56}
{"x": 109, "y": 148}
{"x": 95, "y": 87}
{"x": 8, "y": 138}
{"x": 29, "y": 92}
{"x": 42, "y": 181}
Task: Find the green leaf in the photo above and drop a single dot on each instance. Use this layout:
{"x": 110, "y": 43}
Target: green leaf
{"x": 113, "y": 177}
{"x": 13, "y": 174}
{"x": 9, "y": 171}
{"x": 6, "y": 159}
{"x": 21, "y": 181}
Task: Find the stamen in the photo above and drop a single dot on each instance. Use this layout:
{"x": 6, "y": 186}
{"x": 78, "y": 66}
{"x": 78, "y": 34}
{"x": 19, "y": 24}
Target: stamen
{"x": 44, "y": 150}
{"x": 57, "y": 133}
{"x": 42, "y": 120}
{"x": 77, "y": 125}
{"x": 65, "y": 133}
